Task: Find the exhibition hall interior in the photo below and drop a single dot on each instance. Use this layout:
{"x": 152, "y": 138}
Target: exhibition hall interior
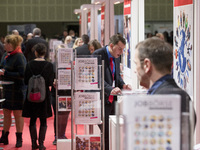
{"x": 99, "y": 74}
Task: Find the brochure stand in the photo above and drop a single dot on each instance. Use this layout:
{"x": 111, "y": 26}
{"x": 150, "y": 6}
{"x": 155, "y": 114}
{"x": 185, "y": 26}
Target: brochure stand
{"x": 154, "y": 121}
{"x": 64, "y": 63}
{"x": 87, "y": 101}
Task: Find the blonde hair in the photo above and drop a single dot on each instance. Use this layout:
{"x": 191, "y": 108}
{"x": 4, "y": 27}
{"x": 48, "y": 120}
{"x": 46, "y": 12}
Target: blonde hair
{"x": 76, "y": 43}
{"x": 67, "y": 38}
{"x": 160, "y": 35}
{"x": 14, "y": 40}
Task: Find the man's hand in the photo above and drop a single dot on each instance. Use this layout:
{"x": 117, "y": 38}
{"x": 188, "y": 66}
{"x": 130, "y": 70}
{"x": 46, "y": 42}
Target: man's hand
{"x": 127, "y": 87}
{"x": 116, "y": 91}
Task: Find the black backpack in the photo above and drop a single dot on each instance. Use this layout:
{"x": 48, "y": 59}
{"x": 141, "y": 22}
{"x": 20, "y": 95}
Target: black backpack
{"x": 36, "y": 88}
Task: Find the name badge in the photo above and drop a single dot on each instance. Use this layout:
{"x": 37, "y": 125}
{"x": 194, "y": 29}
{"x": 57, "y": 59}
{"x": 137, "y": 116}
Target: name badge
{"x": 113, "y": 84}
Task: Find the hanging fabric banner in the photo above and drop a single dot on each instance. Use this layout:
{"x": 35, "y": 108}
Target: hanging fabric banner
{"x": 183, "y": 66}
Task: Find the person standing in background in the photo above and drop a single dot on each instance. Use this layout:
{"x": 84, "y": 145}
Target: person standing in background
{"x": 29, "y": 54}
{"x": 83, "y": 50}
{"x": 113, "y": 83}
{"x": 68, "y": 41}
{"x": 94, "y": 45}
{"x": 72, "y": 34}
{"x": 78, "y": 42}
{"x": 41, "y": 110}
{"x": 64, "y": 35}
{"x": 13, "y": 65}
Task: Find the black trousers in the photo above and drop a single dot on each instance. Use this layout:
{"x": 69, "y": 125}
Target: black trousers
{"x": 109, "y": 110}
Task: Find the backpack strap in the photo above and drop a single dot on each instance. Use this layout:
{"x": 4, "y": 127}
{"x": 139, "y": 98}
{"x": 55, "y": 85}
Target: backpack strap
{"x": 30, "y": 68}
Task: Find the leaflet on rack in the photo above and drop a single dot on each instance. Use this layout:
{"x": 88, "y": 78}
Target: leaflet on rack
{"x": 152, "y": 122}
{"x": 86, "y": 74}
{"x": 65, "y": 57}
{"x": 88, "y": 142}
{"x": 64, "y": 79}
{"x": 87, "y": 108}
{"x": 64, "y": 103}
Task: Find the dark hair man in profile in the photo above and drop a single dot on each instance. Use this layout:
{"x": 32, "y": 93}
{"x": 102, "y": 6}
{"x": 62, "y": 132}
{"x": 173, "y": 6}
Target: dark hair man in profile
{"x": 153, "y": 59}
{"x": 113, "y": 83}
{"x": 29, "y": 54}
{"x": 84, "y": 49}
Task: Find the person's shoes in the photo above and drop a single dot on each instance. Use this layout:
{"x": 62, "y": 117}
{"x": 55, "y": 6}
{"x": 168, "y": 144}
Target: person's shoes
{"x": 55, "y": 142}
{"x": 19, "y": 139}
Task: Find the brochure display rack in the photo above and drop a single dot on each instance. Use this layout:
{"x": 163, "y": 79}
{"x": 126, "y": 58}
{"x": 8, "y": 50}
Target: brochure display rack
{"x": 63, "y": 64}
{"x": 87, "y": 100}
{"x": 79, "y": 92}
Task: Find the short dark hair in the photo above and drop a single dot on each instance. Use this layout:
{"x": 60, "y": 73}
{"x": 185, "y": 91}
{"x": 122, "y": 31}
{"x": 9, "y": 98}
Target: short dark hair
{"x": 116, "y": 38}
{"x": 85, "y": 38}
{"x": 95, "y": 43}
{"x": 40, "y": 48}
{"x": 158, "y": 51}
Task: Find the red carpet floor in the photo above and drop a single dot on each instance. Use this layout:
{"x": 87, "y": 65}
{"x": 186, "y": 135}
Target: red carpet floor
{"x": 26, "y": 135}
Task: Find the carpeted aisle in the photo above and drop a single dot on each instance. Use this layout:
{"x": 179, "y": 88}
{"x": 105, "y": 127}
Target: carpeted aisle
{"x": 26, "y": 135}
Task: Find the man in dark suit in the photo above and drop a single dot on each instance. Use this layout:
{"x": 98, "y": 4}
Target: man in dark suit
{"x": 113, "y": 82}
{"x": 84, "y": 49}
{"x": 29, "y": 54}
{"x": 153, "y": 59}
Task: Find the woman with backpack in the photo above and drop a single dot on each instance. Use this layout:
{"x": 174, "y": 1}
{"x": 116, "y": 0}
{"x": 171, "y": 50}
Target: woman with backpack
{"x": 12, "y": 67}
{"x": 33, "y": 107}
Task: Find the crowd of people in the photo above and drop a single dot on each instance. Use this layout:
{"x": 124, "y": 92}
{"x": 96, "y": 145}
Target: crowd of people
{"x": 21, "y": 60}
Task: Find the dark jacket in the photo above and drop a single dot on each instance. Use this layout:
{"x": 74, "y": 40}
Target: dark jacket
{"x": 14, "y": 67}
{"x": 29, "y": 54}
{"x": 83, "y": 50}
{"x": 170, "y": 87}
{"x": 108, "y": 80}
{"x": 42, "y": 109}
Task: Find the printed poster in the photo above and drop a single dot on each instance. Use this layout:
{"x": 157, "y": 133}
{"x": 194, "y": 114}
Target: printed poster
{"x": 64, "y": 79}
{"x": 87, "y": 108}
{"x": 64, "y": 103}
{"x": 152, "y": 122}
{"x": 183, "y": 66}
{"x": 65, "y": 57}
{"x": 127, "y": 33}
{"x": 88, "y": 142}
{"x": 86, "y": 74}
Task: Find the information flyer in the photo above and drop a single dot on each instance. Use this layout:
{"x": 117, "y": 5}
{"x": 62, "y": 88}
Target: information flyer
{"x": 152, "y": 122}
{"x": 64, "y": 103}
{"x": 88, "y": 142}
{"x": 64, "y": 79}
{"x": 86, "y": 74}
{"x": 87, "y": 108}
{"x": 65, "y": 57}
